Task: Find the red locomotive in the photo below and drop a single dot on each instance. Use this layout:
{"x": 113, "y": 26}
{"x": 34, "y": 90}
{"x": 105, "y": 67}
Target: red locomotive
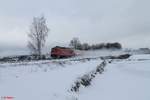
{"x": 62, "y": 52}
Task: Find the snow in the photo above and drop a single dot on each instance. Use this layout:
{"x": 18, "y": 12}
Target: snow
{"x": 140, "y": 56}
{"x": 51, "y": 80}
{"x": 99, "y": 53}
{"x": 121, "y": 81}
{"x": 26, "y": 82}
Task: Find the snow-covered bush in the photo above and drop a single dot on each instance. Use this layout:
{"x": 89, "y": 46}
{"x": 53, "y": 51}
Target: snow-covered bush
{"x": 86, "y": 79}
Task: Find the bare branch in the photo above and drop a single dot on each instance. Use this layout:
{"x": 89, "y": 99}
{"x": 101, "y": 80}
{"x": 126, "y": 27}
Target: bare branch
{"x": 38, "y": 34}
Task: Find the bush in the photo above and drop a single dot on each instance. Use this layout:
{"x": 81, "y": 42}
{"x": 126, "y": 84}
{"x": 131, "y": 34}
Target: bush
{"x": 86, "y": 79}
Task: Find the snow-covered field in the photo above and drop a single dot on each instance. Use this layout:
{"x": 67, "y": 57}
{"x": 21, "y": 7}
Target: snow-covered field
{"x": 49, "y": 81}
{"x": 97, "y": 53}
{"x": 52, "y": 80}
{"x": 122, "y": 80}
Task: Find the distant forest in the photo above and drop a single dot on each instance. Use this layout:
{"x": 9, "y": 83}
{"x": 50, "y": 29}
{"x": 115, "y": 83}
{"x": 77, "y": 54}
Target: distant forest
{"x": 76, "y": 44}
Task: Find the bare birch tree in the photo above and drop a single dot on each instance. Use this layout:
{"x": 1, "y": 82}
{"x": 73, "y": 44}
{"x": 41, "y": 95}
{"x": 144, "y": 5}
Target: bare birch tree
{"x": 37, "y": 34}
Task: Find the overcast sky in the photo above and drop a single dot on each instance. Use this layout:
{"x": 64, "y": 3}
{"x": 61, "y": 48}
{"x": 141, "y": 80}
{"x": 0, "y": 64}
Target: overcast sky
{"x": 93, "y": 21}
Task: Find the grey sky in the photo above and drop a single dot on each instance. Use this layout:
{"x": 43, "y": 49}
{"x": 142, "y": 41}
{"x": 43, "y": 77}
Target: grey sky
{"x": 93, "y": 21}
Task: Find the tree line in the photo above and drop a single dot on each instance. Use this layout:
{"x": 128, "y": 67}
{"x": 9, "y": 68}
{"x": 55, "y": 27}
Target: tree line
{"x": 76, "y": 44}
